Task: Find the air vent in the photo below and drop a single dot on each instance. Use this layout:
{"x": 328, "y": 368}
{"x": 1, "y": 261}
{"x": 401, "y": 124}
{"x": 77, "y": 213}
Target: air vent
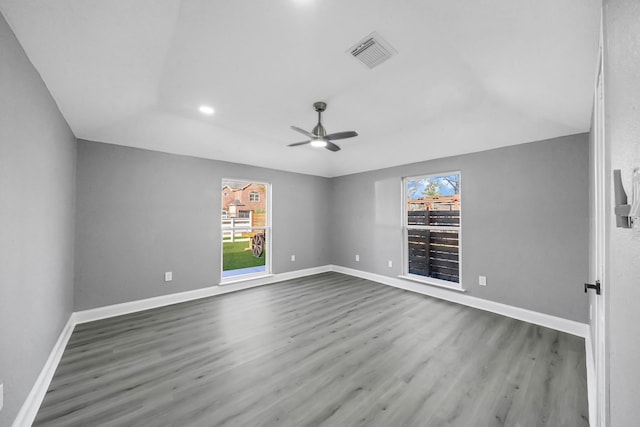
{"x": 373, "y": 50}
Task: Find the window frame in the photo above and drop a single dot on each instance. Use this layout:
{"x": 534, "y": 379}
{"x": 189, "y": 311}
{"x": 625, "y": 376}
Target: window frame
{"x": 253, "y": 193}
{"x": 267, "y": 229}
{"x": 405, "y": 235}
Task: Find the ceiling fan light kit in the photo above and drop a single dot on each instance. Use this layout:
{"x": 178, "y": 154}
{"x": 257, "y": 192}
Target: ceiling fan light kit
{"x": 318, "y": 143}
{"x": 318, "y": 136}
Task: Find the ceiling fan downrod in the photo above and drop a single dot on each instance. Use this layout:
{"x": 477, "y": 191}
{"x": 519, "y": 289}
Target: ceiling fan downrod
{"x": 319, "y": 130}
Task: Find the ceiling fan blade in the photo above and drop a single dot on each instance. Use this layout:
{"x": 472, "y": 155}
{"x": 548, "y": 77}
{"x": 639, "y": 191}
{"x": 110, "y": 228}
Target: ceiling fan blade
{"x": 298, "y": 143}
{"x": 332, "y": 147}
{"x": 342, "y": 135}
{"x": 302, "y": 131}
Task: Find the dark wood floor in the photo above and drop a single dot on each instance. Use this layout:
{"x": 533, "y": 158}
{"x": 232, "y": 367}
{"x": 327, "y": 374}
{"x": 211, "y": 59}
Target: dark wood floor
{"x": 328, "y": 350}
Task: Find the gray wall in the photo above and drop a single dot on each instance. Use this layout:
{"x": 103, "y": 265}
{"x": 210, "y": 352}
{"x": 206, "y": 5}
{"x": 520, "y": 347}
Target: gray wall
{"x": 37, "y": 189}
{"x": 141, "y": 213}
{"x": 622, "y": 127}
{"x": 525, "y": 222}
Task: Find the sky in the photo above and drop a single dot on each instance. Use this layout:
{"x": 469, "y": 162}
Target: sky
{"x": 417, "y": 186}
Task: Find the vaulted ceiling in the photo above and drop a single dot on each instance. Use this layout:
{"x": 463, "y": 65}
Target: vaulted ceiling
{"x": 469, "y": 75}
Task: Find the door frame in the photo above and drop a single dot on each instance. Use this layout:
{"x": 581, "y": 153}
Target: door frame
{"x": 598, "y": 315}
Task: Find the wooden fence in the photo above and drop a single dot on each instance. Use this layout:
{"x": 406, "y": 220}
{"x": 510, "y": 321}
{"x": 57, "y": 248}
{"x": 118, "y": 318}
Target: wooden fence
{"x": 434, "y": 253}
{"x": 258, "y": 219}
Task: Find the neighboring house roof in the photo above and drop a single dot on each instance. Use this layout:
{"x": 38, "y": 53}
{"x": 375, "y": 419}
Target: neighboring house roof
{"x": 236, "y": 186}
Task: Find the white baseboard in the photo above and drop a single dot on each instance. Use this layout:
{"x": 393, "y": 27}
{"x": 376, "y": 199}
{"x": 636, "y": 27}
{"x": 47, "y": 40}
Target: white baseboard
{"x": 29, "y": 409}
{"x": 160, "y": 301}
{"x": 546, "y": 320}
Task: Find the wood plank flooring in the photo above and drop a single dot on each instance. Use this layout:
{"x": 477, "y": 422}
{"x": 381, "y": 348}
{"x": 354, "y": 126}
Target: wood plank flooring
{"x": 324, "y": 350}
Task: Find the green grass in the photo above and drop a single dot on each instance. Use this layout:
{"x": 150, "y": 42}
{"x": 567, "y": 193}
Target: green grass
{"x": 234, "y": 256}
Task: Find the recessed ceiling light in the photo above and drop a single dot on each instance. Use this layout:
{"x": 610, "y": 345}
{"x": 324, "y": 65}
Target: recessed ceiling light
{"x": 206, "y": 110}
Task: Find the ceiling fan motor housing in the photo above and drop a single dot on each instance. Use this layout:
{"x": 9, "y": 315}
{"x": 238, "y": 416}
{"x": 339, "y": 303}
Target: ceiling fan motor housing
{"x": 319, "y": 131}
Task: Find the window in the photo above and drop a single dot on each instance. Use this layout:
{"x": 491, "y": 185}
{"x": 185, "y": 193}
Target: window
{"x": 254, "y": 196}
{"x": 245, "y": 230}
{"x": 432, "y": 212}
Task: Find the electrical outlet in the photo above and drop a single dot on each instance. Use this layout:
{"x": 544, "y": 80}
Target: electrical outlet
{"x": 168, "y": 276}
{"x": 293, "y": 258}
{"x": 389, "y": 264}
{"x": 482, "y": 280}
{"x": 357, "y": 257}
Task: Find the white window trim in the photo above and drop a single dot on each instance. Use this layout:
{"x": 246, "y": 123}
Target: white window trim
{"x": 268, "y": 229}
{"x": 432, "y": 281}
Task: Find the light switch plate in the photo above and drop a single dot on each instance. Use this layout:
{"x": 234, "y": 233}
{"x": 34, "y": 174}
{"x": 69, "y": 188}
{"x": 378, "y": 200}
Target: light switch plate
{"x": 168, "y": 276}
{"x": 482, "y": 280}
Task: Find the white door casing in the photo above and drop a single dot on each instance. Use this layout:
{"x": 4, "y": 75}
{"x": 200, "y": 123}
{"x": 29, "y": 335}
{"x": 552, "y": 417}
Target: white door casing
{"x": 599, "y": 252}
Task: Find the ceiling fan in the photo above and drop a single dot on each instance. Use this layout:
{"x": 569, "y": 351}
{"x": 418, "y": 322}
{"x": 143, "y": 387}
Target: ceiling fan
{"x": 318, "y": 136}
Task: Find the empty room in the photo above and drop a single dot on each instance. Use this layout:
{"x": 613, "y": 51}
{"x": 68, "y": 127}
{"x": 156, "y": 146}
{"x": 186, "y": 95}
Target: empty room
{"x": 320, "y": 213}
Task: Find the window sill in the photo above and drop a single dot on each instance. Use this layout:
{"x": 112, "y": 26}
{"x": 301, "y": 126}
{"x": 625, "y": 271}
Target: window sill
{"x": 433, "y": 282}
{"x": 244, "y": 278}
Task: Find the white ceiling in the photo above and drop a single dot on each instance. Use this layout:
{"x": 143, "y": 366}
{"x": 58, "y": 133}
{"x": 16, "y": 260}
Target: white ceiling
{"x": 470, "y": 75}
